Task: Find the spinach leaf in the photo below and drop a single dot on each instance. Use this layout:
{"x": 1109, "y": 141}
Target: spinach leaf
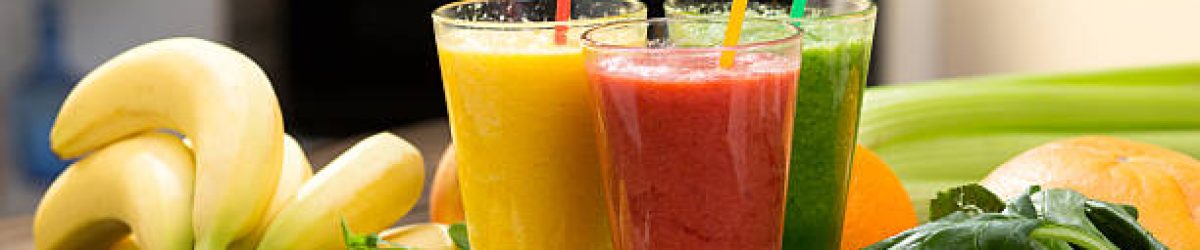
{"x": 1060, "y": 235}
{"x": 968, "y": 198}
{"x": 1053, "y": 219}
{"x": 963, "y": 230}
{"x": 1023, "y": 205}
{"x": 1060, "y": 206}
{"x": 1119, "y": 224}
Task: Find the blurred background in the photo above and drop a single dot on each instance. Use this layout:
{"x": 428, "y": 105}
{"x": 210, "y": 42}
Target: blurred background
{"x": 344, "y": 69}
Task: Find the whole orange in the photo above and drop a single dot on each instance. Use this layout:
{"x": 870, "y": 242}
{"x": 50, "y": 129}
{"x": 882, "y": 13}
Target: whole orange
{"x": 1164, "y": 185}
{"x": 877, "y": 206}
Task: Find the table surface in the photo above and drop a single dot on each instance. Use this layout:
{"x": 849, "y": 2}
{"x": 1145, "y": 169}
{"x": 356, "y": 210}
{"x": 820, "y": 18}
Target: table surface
{"x": 16, "y": 233}
{"x": 431, "y": 137}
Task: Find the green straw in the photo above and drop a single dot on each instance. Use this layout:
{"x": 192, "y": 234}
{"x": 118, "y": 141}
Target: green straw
{"x": 798, "y": 8}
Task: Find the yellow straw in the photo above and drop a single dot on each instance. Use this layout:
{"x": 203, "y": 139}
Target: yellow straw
{"x": 733, "y": 31}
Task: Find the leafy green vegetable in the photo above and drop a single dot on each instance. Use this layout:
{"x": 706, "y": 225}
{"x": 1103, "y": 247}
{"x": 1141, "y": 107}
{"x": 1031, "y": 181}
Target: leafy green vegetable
{"x": 1118, "y": 223}
{"x": 1063, "y": 237}
{"x": 1039, "y": 219}
{"x": 458, "y": 233}
{"x": 961, "y": 230}
{"x": 968, "y": 198}
{"x": 1063, "y": 208}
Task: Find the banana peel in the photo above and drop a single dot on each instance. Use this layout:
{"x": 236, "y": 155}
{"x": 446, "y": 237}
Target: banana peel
{"x": 142, "y": 185}
{"x": 234, "y": 179}
{"x": 214, "y": 96}
{"x": 371, "y": 185}
{"x": 296, "y": 171}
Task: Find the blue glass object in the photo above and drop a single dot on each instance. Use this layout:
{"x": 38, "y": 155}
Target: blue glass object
{"x": 35, "y": 100}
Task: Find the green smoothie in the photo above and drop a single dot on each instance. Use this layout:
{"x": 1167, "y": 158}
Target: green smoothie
{"x": 837, "y": 52}
{"x": 828, "y": 98}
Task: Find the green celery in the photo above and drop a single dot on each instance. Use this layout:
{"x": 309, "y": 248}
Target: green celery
{"x": 947, "y": 133}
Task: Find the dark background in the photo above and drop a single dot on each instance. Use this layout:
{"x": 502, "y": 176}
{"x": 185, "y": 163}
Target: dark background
{"x": 363, "y": 65}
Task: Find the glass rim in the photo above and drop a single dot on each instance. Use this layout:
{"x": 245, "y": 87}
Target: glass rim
{"x": 439, "y": 17}
{"x": 591, "y": 44}
{"x": 869, "y": 12}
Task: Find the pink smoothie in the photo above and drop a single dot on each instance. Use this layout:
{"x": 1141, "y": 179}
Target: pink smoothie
{"x": 695, "y": 156}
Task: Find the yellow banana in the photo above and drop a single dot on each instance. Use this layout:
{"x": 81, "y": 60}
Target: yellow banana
{"x": 211, "y": 94}
{"x": 141, "y": 185}
{"x": 296, "y": 171}
{"x": 371, "y": 185}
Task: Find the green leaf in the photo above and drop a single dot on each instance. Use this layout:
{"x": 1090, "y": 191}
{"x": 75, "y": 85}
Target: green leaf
{"x": 1118, "y": 223}
{"x": 1052, "y": 219}
{"x": 966, "y": 231}
{"x": 458, "y": 233}
{"x": 971, "y": 198}
{"x": 1023, "y": 205}
{"x": 1063, "y": 207}
{"x": 1054, "y": 234}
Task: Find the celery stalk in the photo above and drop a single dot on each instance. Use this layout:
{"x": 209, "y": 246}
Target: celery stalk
{"x": 947, "y": 133}
{"x": 910, "y": 112}
{"x": 1185, "y": 73}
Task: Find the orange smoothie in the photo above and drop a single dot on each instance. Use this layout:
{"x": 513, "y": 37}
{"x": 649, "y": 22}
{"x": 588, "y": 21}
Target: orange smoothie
{"x": 523, "y": 129}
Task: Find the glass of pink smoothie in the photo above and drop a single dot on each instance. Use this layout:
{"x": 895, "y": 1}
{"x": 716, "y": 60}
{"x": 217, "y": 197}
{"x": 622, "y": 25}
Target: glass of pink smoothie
{"x": 694, "y": 155}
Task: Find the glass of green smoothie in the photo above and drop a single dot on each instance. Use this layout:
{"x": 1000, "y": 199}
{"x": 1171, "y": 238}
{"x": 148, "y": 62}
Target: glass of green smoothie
{"x": 837, "y": 51}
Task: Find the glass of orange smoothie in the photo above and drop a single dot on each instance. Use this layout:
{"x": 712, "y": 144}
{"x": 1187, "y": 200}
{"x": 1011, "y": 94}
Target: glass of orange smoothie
{"x": 522, "y": 124}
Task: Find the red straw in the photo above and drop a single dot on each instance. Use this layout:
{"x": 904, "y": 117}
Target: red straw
{"x": 562, "y": 13}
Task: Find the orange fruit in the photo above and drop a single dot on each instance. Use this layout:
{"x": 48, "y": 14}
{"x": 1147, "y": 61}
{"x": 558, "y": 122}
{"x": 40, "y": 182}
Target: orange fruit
{"x": 1164, "y": 185}
{"x": 877, "y": 206}
{"x": 445, "y": 199}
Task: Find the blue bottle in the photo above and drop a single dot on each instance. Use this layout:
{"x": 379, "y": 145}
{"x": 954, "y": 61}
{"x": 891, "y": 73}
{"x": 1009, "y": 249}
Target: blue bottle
{"x": 36, "y": 99}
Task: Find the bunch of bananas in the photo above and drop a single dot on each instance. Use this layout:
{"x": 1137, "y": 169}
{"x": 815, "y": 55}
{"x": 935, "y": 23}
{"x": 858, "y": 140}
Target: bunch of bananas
{"x": 181, "y": 146}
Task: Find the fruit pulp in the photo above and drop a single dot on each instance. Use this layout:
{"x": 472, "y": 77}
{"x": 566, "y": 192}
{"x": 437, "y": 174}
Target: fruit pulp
{"x": 695, "y": 156}
{"x": 523, "y": 130}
